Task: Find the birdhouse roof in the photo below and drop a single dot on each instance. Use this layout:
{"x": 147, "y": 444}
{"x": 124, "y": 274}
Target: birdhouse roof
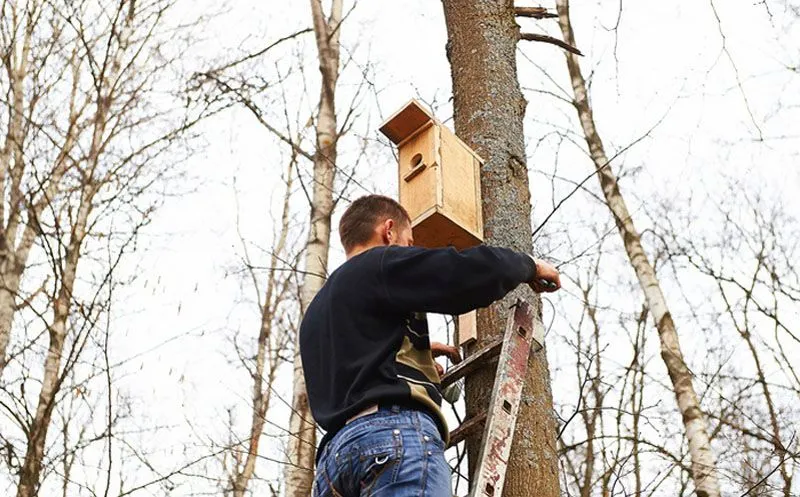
{"x": 406, "y": 121}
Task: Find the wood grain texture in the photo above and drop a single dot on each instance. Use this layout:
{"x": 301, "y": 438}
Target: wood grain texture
{"x": 439, "y": 180}
{"x": 467, "y": 328}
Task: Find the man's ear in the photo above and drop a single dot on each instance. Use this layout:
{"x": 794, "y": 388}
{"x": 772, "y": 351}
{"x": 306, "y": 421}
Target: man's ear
{"x": 387, "y": 232}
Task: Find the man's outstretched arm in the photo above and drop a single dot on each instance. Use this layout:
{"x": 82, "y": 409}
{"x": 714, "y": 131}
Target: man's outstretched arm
{"x": 447, "y": 281}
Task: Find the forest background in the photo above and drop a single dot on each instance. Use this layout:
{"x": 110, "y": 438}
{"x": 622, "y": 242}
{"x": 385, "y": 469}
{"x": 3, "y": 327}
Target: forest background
{"x": 158, "y": 175}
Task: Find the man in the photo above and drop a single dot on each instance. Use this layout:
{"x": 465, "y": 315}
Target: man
{"x": 372, "y": 381}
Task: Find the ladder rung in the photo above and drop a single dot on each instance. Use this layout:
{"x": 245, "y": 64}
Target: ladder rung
{"x": 467, "y": 428}
{"x": 479, "y": 358}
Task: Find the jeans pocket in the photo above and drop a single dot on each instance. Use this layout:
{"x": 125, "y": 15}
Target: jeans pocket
{"x": 324, "y": 485}
{"x": 380, "y": 464}
{"x": 331, "y": 475}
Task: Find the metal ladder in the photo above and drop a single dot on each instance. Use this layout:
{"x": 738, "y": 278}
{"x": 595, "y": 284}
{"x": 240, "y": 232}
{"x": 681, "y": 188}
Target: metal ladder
{"x": 500, "y": 418}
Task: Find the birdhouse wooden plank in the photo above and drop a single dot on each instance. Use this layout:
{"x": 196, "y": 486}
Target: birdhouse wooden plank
{"x": 440, "y": 187}
{"x": 439, "y": 179}
{"x": 467, "y": 328}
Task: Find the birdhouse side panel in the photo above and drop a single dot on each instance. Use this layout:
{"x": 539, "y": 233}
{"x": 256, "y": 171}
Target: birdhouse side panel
{"x": 460, "y": 184}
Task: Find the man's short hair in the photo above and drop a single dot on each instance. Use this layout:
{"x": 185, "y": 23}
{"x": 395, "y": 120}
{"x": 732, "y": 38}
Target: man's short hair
{"x": 358, "y": 222}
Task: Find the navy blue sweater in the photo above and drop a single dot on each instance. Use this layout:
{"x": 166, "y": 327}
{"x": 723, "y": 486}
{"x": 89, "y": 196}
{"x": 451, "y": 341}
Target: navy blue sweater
{"x": 364, "y": 337}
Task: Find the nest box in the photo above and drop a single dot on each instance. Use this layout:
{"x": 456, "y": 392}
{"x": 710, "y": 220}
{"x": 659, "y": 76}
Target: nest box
{"x": 439, "y": 179}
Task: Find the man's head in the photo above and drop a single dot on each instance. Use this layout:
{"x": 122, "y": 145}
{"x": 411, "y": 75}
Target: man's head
{"x": 373, "y": 221}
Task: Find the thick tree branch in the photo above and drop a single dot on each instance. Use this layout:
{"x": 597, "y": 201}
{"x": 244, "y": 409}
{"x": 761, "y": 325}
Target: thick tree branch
{"x": 551, "y": 40}
{"x": 534, "y": 12}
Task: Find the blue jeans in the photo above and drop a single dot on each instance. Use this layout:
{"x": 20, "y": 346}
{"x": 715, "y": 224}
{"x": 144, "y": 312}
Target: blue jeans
{"x": 395, "y": 452}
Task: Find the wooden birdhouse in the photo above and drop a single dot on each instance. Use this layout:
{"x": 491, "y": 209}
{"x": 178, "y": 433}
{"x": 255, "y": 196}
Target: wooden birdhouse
{"x": 440, "y": 187}
{"x": 439, "y": 179}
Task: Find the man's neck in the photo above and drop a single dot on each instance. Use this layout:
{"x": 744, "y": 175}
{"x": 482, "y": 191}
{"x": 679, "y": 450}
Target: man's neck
{"x": 360, "y": 249}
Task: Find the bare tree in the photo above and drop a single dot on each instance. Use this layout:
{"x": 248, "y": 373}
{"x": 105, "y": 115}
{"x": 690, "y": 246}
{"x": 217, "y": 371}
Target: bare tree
{"x": 592, "y": 391}
{"x": 695, "y": 424}
{"x": 272, "y": 342}
{"x": 745, "y": 263}
{"x": 27, "y": 51}
{"x": 598, "y": 452}
{"x": 322, "y": 195}
{"x": 489, "y": 110}
{"x": 302, "y": 448}
{"x": 82, "y": 154}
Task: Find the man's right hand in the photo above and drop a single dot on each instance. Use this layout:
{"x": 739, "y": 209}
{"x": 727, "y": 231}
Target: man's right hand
{"x": 547, "y": 278}
{"x": 450, "y": 351}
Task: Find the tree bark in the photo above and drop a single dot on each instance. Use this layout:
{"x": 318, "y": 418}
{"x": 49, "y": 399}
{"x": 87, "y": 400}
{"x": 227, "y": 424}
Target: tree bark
{"x": 302, "y": 443}
{"x": 264, "y": 357}
{"x": 489, "y": 109}
{"x": 15, "y": 248}
{"x": 51, "y": 383}
{"x": 704, "y": 471}
{"x": 13, "y": 165}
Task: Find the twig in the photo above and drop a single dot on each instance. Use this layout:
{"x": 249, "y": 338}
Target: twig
{"x": 766, "y": 477}
{"x": 261, "y": 52}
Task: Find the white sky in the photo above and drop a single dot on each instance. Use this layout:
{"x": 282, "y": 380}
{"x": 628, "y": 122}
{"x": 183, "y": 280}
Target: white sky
{"x": 670, "y": 65}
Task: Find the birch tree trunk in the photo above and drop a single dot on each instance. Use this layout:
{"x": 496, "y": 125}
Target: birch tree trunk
{"x": 32, "y": 466}
{"x": 266, "y": 359}
{"x": 22, "y": 207}
{"x": 11, "y": 161}
{"x": 14, "y": 254}
{"x": 489, "y": 110}
{"x": 57, "y": 331}
{"x": 703, "y": 464}
{"x": 302, "y": 444}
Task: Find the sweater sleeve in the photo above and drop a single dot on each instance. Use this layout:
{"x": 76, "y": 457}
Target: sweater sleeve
{"x": 447, "y": 281}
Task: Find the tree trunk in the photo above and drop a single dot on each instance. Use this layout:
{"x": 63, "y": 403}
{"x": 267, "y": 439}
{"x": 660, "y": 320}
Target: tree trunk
{"x": 14, "y": 253}
{"x": 51, "y": 383}
{"x": 489, "y": 109}
{"x": 592, "y": 411}
{"x": 67, "y": 269}
{"x": 261, "y": 395}
{"x": 704, "y": 471}
{"x": 9, "y": 286}
{"x": 302, "y": 442}
{"x": 16, "y": 65}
